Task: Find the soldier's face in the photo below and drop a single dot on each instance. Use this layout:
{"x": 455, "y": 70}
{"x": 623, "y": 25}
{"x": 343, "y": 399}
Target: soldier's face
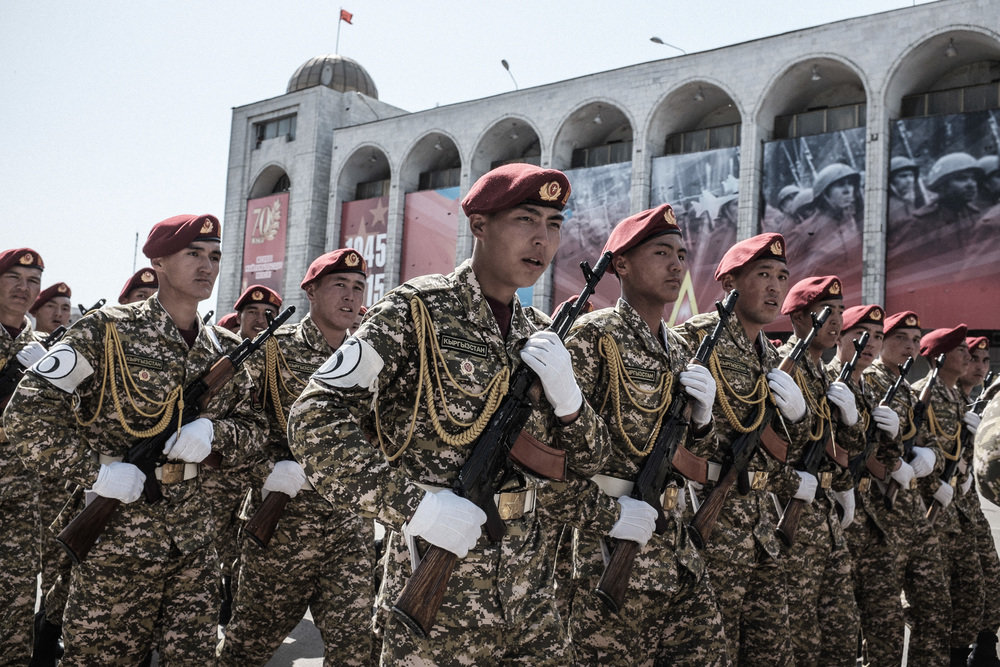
{"x": 190, "y": 273}
{"x": 962, "y": 187}
{"x": 53, "y": 314}
{"x": 956, "y": 362}
{"x": 334, "y": 299}
{"x": 841, "y": 193}
{"x": 899, "y": 345}
{"x": 873, "y": 347}
{"x": 829, "y": 334}
{"x": 19, "y": 287}
{"x": 763, "y": 285}
{"x": 514, "y": 247}
{"x": 139, "y": 294}
{"x": 979, "y": 366}
{"x": 903, "y": 182}
{"x": 253, "y": 319}
{"x": 654, "y": 270}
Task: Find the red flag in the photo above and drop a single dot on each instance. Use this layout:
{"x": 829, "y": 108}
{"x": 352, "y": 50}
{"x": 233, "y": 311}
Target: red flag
{"x": 346, "y": 16}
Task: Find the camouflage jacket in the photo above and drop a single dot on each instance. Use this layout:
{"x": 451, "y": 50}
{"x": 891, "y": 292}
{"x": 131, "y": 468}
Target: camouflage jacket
{"x": 943, "y": 428}
{"x": 987, "y": 453}
{"x": 14, "y": 480}
{"x": 137, "y": 350}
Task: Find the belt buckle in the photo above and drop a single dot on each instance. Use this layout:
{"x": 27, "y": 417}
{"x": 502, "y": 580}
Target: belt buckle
{"x": 669, "y": 499}
{"x": 863, "y": 484}
{"x": 825, "y": 480}
{"x": 913, "y": 483}
{"x": 172, "y": 473}
{"x": 759, "y": 480}
{"x": 510, "y": 506}
{"x": 953, "y": 481}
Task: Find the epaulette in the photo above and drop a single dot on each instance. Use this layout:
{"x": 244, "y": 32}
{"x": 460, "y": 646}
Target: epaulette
{"x": 607, "y": 319}
{"x": 434, "y": 282}
{"x": 537, "y": 318}
{"x": 701, "y": 321}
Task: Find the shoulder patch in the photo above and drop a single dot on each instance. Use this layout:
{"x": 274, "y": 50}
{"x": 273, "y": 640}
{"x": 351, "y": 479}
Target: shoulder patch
{"x": 354, "y": 364}
{"x": 63, "y": 368}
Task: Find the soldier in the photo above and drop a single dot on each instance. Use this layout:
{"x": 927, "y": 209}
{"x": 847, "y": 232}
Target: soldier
{"x": 950, "y": 220}
{"x": 434, "y": 356}
{"x": 989, "y": 183}
{"x": 987, "y": 454}
{"x": 230, "y": 322}
{"x": 630, "y": 365}
{"x": 142, "y": 285}
{"x": 255, "y": 308}
{"x": 154, "y": 564}
{"x": 321, "y": 556}
{"x": 51, "y": 309}
{"x": 20, "y": 282}
{"x": 742, "y": 553}
{"x": 905, "y": 193}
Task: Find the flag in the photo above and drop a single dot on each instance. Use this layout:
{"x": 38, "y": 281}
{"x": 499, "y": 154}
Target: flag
{"x": 346, "y": 16}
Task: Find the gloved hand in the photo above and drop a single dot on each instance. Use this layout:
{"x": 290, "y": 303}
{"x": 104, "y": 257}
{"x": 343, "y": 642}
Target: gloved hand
{"x": 971, "y": 420}
{"x": 30, "y": 353}
{"x": 121, "y": 481}
{"x": 886, "y": 419}
{"x": 448, "y": 521}
{"x": 636, "y": 522}
{"x": 787, "y": 395}
{"x": 944, "y": 494}
{"x": 846, "y": 501}
{"x": 548, "y": 357}
{"x": 807, "y": 486}
{"x": 923, "y": 462}
{"x": 967, "y": 484}
{"x": 840, "y": 395}
{"x": 194, "y": 443}
{"x": 700, "y": 386}
{"x": 903, "y": 474}
{"x": 286, "y": 477}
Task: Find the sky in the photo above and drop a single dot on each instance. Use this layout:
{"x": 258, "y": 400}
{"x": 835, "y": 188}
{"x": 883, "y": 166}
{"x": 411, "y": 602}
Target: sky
{"x": 117, "y": 112}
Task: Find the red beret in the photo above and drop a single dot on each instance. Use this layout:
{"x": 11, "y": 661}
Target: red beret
{"x": 176, "y": 233}
{"x": 25, "y": 257}
{"x": 811, "y": 290}
{"x": 230, "y": 321}
{"x": 858, "y": 315}
{"x": 978, "y": 343}
{"x": 59, "y": 289}
{"x": 942, "y": 341}
{"x": 762, "y": 246}
{"x": 639, "y": 228}
{"x": 258, "y": 294}
{"x": 906, "y": 319}
{"x": 344, "y": 260}
{"x": 514, "y": 184}
{"x": 141, "y": 278}
{"x": 362, "y": 310}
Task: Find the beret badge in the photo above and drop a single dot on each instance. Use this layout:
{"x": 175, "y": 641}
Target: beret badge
{"x": 875, "y": 314}
{"x": 550, "y": 191}
{"x": 26, "y": 259}
{"x": 146, "y": 276}
{"x": 835, "y": 287}
{"x": 777, "y": 249}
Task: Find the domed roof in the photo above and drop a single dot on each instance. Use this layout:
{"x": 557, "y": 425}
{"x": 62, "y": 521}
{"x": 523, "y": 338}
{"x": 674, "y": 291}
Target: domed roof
{"x": 335, "y": 72}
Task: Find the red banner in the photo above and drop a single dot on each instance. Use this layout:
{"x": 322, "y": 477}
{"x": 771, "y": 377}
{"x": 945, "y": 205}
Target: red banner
{"x": 264, "y": 242}
{"x": 430, "y": 233}
{"x": 364, "y": 227}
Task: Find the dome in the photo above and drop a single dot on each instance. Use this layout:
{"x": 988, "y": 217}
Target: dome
{"x": 335, "y": 72}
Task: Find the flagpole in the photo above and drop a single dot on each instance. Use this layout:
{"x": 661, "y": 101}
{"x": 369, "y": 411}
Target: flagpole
{"x": 337, "y": 50}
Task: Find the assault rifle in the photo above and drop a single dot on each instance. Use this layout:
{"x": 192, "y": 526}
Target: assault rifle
{"x": 658, "y": 466}
{"x": 13, "y": 371}
{"x": 919, "y": 413}
{"x": 863, "y": 461}
{"x": 483, "y": 472}
{"x": 84, "y": 310}
{"x": 788, "y": 524}
{"x": 208, "y": 317}
{"x": 745, "y": 446}
{"x": 82, "y": 532}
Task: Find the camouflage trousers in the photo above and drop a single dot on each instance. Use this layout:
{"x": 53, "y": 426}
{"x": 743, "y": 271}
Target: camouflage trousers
{"x": 56, "y": 564}
{"x": 119, "y": 605}
{"x": 965, "y": 581}
{"x": 319, "y": 558}
{"x": 18, "y": 572}
{"x": 990, "y": 563}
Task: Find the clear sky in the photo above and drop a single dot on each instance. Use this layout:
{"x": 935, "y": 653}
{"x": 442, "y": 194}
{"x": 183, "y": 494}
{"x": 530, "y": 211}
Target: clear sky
{"x": 116, "y": 113}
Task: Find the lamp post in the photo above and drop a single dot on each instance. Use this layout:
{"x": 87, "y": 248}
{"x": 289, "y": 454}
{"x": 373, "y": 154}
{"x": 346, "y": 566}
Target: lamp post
{"x": 506, "y": 66}
{"x": 656, "y": 40}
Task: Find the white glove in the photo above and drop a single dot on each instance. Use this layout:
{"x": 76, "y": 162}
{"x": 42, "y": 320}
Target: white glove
{"x": 30, "y": 353}
{"x": 787, "y": 395}
{"x": 548, "y": 357}
{"x": 121, "y": 481}
{"x": 846, "y": 501}
{"x": 904, "y": 474}
{"x": 886, "y": 419}
{"x": 194, "y": 443}
{"x": 448, "y": 521}
{"x": 944, "y": 494}
{"x": 807, "y": 486}
{"x": 972, "y": 420}
{"x": 286, "y": 477}
{"x": 636, "y": 522}
{"x": 923, "y": 462}
{"x": 967, "y": 484}
{"x": 841, "y": 395}
{"x": 699, "y": 385}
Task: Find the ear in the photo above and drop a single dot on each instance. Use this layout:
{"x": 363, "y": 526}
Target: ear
{"x": 620, "y": 265}
{"x": 728, "y": 282}
{"x": 157, "y": 263}
{"x": 800, "y": 318}
{"x": 477, "y": 224}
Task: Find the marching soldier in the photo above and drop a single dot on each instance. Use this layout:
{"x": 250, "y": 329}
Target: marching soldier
{"x": 987, "y": 454}
{"x": 255, "y": 308}
{"x": 142, "y": 285}
{"x": 154, "y": 565}
{"x": 230, "y": 322}
{"x": 51, "y": 309}
{"x": 434, "y": 356}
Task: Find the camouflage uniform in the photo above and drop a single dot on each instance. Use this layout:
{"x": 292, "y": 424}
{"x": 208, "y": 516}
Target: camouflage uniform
{"x": 321, "y": 556}
{"x": 742, "y": 554}
{"x": 987, "y": 454}
{"x": 19, "y": 560}
{"x": 670, "y": 614}
{"x": 500, "y": 602}
{"x": 164, "y": 550}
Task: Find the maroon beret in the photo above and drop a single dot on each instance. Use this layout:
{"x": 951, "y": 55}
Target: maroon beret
{"x": 176, "y": 233}
{"x": 230, "y": 321}
{"x": 344, "y": 260}
{"x": 978, "y": 343}
{"x": 141, "y": 278}
{"x": 25, "y": 257}
{"x": 812, "y": 290}
{"x": 762, "y": 246}
{"x": 639, "y": 228}
{"x": 258, "y": 294}
{"x": 942, "y": 341}
{"x": 858, "y": 315}
{"x": 906, "y": 319}
{"x": 514, "y": 184}
{"x": 362, "y": 310}
{"x": 59, "y": 289}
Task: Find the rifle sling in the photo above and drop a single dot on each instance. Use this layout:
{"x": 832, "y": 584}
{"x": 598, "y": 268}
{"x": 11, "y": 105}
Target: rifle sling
{"x": 691, "y": 466}
{"x": 532, "y": 454}
{"x": 774, "y": 444}
{"x": 837, "y": 454}
{"x": 877, "y": 469}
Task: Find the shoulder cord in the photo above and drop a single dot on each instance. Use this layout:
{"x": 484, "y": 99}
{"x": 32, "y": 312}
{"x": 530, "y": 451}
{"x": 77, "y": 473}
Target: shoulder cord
{"x": 934, "y": 426}
{"x": 621, "y": 379}
{"x": 820, "y": 408}
{"x": 274, "y": 381}
{"x": 756, "y": 396}
{"x": 427, "y": 346}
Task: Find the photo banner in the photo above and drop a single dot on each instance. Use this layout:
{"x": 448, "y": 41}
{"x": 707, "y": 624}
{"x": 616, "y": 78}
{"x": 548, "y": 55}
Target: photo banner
{"x": 430, "y": 233}
{"x": 364, "y": 227}
{"x": 264, "y": 242}
{"x": 943, "y": 219}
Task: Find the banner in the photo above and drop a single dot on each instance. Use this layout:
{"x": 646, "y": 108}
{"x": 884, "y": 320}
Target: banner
{"x": 943, "y": 220}
{"x": 264, "y": 242}
{"x": 430, "y": 233}
{"x": 364, "y": 227}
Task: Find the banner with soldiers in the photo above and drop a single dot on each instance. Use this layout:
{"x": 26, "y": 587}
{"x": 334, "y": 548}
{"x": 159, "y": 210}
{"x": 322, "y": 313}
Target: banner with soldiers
{"x": 364, "y": 227}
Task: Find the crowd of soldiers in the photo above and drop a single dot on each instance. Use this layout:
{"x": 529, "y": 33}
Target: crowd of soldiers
{"x": 805, "y": 512}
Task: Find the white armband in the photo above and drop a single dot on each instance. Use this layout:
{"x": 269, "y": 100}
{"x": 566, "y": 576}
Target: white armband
{"x": 354, "y": 364}
{"x": 63, "y": 368}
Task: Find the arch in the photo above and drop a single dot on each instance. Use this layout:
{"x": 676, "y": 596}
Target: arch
{"x": 435, "y": 150}
{"x": 594, "y": 122}
{"x": 264, "y": 183}
{"x": 693, "y": 104}
{"x": 508, "y": 138}
{"x": 367, "y": 163}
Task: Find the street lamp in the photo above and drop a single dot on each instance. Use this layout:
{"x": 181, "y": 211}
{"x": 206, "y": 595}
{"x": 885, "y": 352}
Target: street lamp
{"x": 506, "y": 66}
{"x": 657, "y": 40}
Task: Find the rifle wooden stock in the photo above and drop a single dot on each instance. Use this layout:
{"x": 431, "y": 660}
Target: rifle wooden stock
{"x": 261, "y": 525}
{"x": 418, "y": 604}
{"x": 708, "y": 514}
{"x": 919, "y": 412}
{"x": 614, "y": 580}
{"x": 88, "y": 525}
{"x": 788, "y": 524}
